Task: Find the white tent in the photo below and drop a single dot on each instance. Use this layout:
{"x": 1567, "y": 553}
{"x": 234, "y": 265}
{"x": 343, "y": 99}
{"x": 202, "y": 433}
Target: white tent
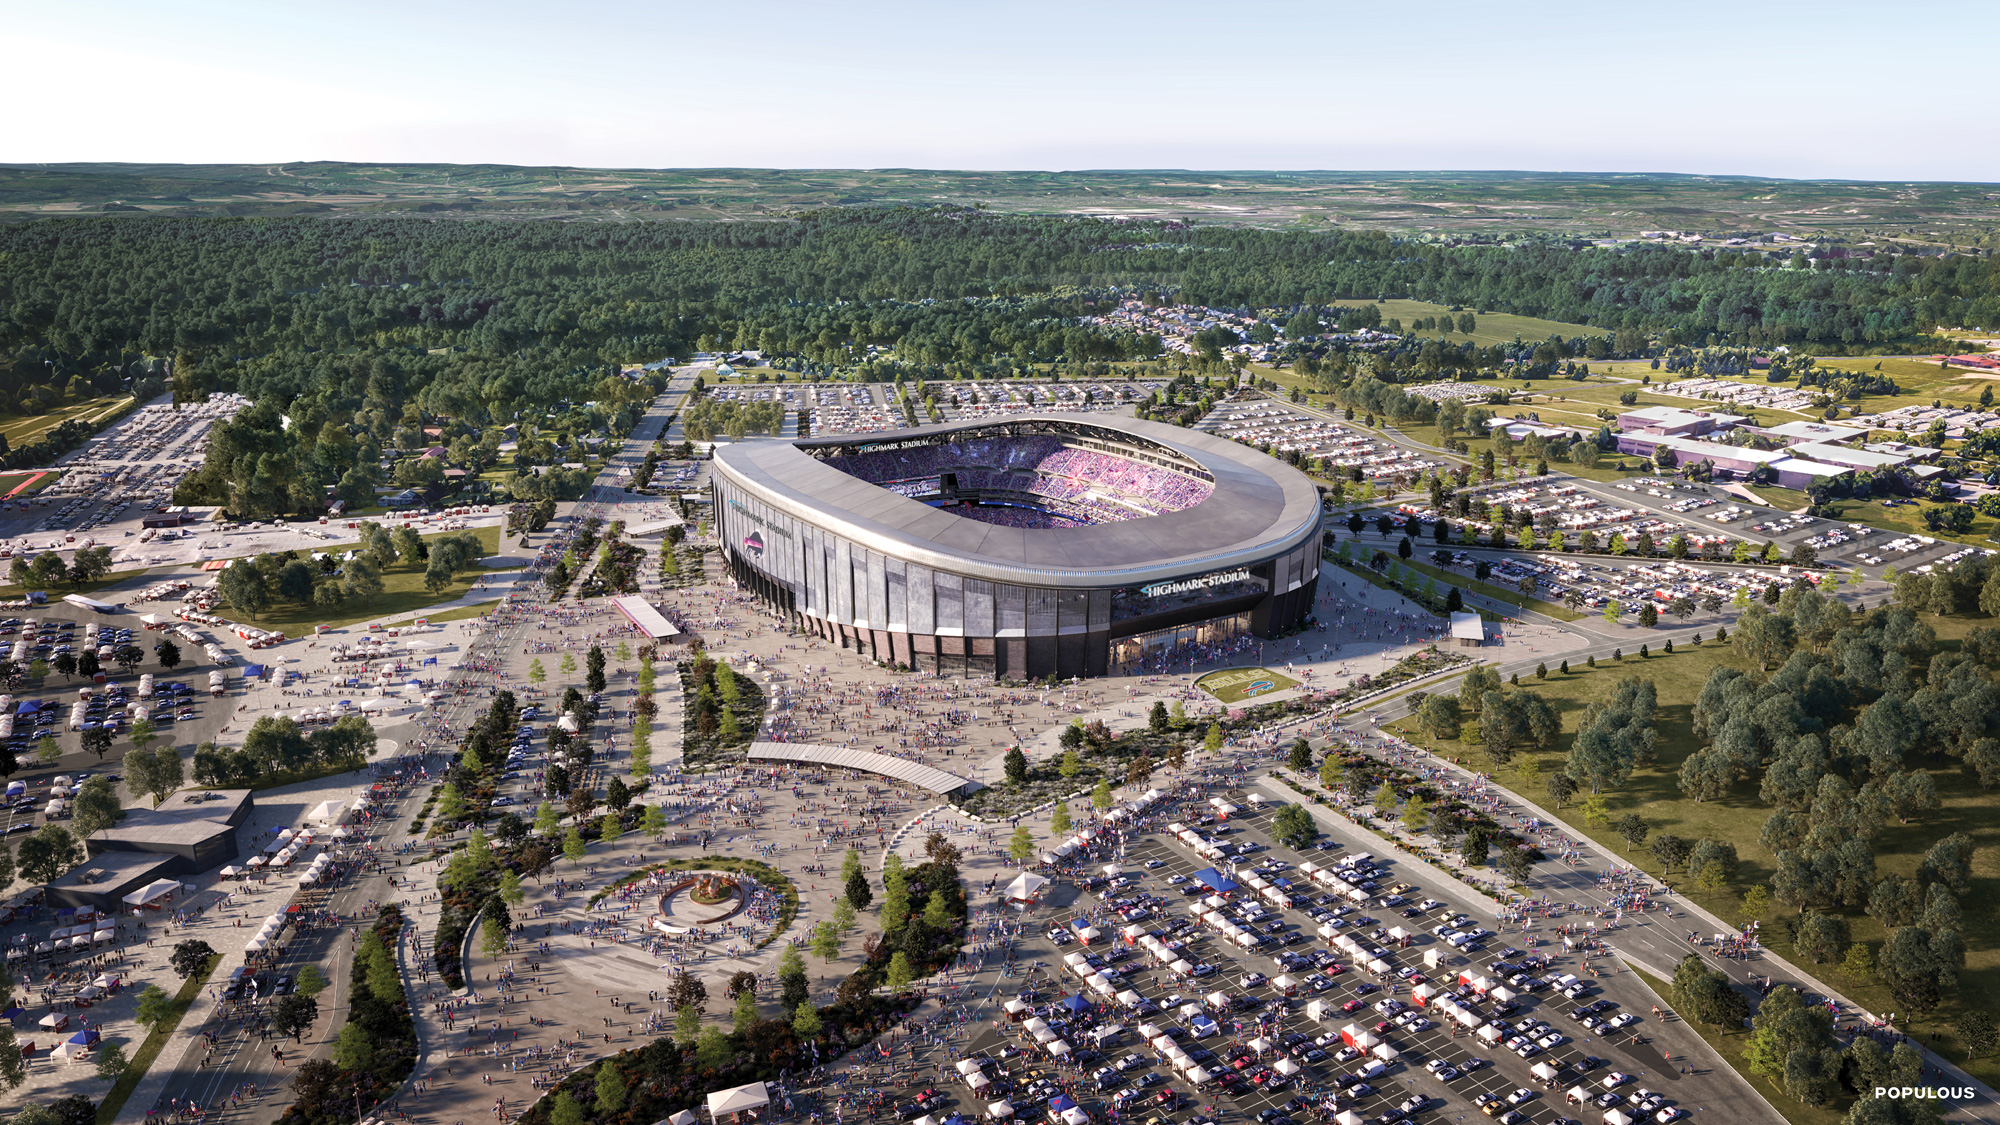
{"x": 977, "y": 1082}
{"x": 968, "y": 1066}
{"x": 1576, "y": 1095}
{"x": 1378, "y": 966}
{"x": 1198, "y": 1075}
{"x": 1543, "y": 1071}
{"x": 1075, "y": 1116}
{"x": 151, "y": 891}
{"x": 1617, "y": 1117}
{"x": 1433, "y": 958}
{"x": 256, "y": 945}
{"x": 1384, "y": 1052}
{"x": 1000, "y": 1109}
{"x": 1347, "y": 1117}
{"x": 1502, "y": 994}
{"x": 1260, "y": 1044}
{"x": 1035, "y": 1024}
{"x": 231, "y": 870}
{"x": 739, "y": 1098}
{"x": 330, "y": 811}
{"x": 1025, "y": 887}
{"x": 1285, "y": 1066}
{"x": 684, "y": 1117}
{"x": 70, "y": 1052}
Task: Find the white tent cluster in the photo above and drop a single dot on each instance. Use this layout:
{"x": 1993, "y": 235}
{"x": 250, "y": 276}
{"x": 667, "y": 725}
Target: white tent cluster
{"x": 1083, "y": 838}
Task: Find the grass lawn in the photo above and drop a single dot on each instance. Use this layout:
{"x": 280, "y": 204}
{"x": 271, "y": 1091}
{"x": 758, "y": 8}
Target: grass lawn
{"x": 1234, "y": 685}
{"x": 1491, "y": 327}
{"x": 21, "y": 429}
{"x": 1730, "y": 1045}
{"x": 462, "y": 613}
{"x": 1654, "y": 793}
{"x": 56, "y": 592}
{"x": 11, "y": 481}
{"x": 403, "y": 592}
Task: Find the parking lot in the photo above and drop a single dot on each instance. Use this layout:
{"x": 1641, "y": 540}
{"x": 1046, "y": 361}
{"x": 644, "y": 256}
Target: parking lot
{"x": 1278, "y": 998}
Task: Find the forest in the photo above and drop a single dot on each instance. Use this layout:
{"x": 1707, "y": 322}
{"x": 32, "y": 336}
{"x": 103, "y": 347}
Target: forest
{"x": 352, "y": 334}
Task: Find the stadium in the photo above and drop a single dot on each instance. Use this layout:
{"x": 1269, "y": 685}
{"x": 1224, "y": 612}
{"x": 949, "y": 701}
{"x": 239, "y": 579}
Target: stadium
{"x": 1035, "y": 546}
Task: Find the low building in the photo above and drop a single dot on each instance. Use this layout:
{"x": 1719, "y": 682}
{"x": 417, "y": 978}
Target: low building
{"x": 195, "y": 828}
{"x": 1672, "y": 421}
{"x": 102, "y": 881}
{"x": 1794, "y": 433}
{"x": 1847, "y": 458}
{"x": 1468, "y": 630}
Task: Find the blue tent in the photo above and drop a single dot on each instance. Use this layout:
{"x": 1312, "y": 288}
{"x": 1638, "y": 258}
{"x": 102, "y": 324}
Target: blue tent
{"x": 27, "y": 707}
{"x": 1215, "y": 880}
{"x": 1061, "y": 1102}
{"x": 1076, "y": 1003}
{"x": 253, "y": 671}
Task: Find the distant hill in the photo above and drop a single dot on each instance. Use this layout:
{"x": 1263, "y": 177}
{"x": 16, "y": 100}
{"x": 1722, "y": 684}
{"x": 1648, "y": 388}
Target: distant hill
{"x": 1490, "y": 203}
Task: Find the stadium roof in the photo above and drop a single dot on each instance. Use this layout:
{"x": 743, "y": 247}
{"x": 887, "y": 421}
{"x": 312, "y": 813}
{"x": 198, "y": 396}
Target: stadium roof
{"x": 841, "y": 757}
{"x": 1260, "y": 507}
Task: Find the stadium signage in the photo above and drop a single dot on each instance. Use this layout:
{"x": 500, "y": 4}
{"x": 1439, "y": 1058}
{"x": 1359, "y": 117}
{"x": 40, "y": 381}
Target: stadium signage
{"x": 1162, "y": 589}
{"x": 767, "y": 525}
{"x": 893, "y": 446}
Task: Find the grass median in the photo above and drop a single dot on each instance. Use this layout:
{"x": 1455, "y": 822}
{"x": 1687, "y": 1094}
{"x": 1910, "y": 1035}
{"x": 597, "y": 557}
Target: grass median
{"x": 156, "y": 1041}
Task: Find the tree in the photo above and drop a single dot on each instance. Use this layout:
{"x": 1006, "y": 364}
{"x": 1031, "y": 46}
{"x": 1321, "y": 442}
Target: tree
{"x": 1756, "y": 900}
{"x": 48, "y": 853}
{"x": 608, "y": 829}
{"x": 1820, "y": 937}
{"x": 1476, "y": 847}
{"x": 1631, "y": 829}
{"x": 1294, "y": 827}
{"x": 154, "y": 1008}
{"x": 1100, "y": 797}
{"x": 745, "y": 1012}
{"x": 1070, "y": 765}
{"x": 96, "y": 807}
{"x": 1976, "y": 1031}
{"x": 826, "y": 941}
{"x": 1021, "y": 847}
{"x": 492, "y": 937}
{"x": 312, "y": 981}
{"x": 859, "y": 894}
{"x": 1858, "y": 965}
{"x": 566, "y": 1110}
{"x": 610, "y": 1088}
{"x": 1515, "y": 863}
{"x": 1300, "y": 758}
{"x": 573, "y": 846}
{"x": 1213, "y": 740}
{"x": 536, "y": 673}
{"x": 806, "y": 1024}
{"x": 1060, "y": 822}
{"x": 1949, "y": 861}
{"x": 294, "y": 1015}
{"x": 190, "y": 957}
{"x": 711, "y": 1049}
{"x": 900, "y": 972}
{"x": 1331, "y": 770}
{"x": 547, "y": 819}
{"x": 111, "y": 1061}
{"x": 1016, "y": 765}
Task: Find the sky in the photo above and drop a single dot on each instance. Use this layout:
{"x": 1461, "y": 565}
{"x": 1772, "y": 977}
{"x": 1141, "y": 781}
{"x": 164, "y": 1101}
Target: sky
{"x": 1778, "y": 88}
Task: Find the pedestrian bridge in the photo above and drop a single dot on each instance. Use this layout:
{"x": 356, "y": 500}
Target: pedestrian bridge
{"x": 843, "y": 757}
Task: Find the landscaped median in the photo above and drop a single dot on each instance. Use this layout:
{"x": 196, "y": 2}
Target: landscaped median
{"x": 156, "y": 1041}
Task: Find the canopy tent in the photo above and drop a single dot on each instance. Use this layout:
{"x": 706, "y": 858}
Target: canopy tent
{"x": 1543, "y": 1071}
{"x": 1199, "y": 1075}
{"x": 1075, "y": 1004}
{"x": 231, "y": 869}
{"x": 1347, "y": 1117}
{"x": 977, "y": 1081}
{"x": 1025, "y": 887}
{"x": 1215, "y": 880}
{"x": 736, "y": 1099}
{"x": 1000, "y": 1109}
{"x": 1260, "y": 1044}
{"x": 684, "y": 1117}
{"x": 968, "y": 1066}
{"x": 156, "y": 889}
{"x": 1285, "y": 1066}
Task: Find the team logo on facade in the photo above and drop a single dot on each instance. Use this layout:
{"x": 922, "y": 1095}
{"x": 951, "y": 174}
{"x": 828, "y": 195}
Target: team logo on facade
{"x": 754, "y": 543}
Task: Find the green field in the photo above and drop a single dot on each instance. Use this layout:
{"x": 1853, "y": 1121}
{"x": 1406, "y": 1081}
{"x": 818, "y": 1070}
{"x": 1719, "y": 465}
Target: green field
{"x": 1653, "y": 792}
{"x": 403, "y": 592}
{"x": 462, "y": 613}
{"x": 21, "y": 429}
{"x": 11, "y": 481}
{"x": 1234, "y": 685}
{"x": 10, "y": 591}
{"x": 1491, "y": 327}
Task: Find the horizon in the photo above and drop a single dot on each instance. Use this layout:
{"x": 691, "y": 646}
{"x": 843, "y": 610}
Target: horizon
{"x": 1726, "y": 90}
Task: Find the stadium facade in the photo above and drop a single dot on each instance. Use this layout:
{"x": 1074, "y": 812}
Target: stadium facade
{"x": 1039, "y": 545}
